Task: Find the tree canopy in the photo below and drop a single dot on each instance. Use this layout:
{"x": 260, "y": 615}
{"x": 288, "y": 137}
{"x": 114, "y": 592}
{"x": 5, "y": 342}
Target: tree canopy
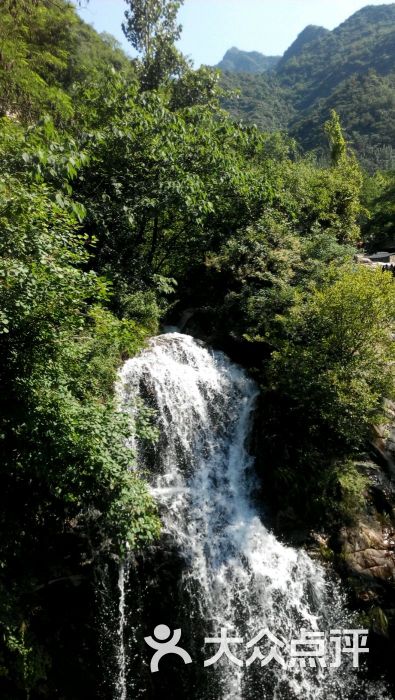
{"x": 151, "y": 27}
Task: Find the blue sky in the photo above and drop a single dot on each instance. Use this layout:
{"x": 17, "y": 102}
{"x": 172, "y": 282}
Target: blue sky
{"x": 213, "y": 26}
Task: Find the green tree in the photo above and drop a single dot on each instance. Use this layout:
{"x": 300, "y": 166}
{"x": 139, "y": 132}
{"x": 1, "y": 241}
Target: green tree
{"x": 339, "y": 344}
{"x": 379, "y": 199}
{"x": 196, "y": 87}
{"x": 330, "y": 196}
{"x": 330, "y": 376}
{"x": 68, "y": 497}
{"x": 172, "y": 183}
{"x": 152, "y": 29}
{"x": 336, "y": 138}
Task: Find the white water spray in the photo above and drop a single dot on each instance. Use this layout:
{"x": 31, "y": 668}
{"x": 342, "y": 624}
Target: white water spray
{"x": 121, "y": 655}
{"x": 237, "y": 574}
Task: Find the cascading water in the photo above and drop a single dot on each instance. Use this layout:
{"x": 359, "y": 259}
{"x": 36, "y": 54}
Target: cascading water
{"x": 122, "y": 660}
{"x": 236, "y": 575}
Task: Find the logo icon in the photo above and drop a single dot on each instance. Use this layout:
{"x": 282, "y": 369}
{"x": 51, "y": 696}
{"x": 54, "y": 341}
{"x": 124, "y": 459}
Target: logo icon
{"x": 165, "y": 644}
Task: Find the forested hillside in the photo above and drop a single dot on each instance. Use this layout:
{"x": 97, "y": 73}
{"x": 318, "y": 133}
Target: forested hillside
{"x": 351, "y": 69}
{"x": 257, "y": 99}
{"x": 127, "y": 197}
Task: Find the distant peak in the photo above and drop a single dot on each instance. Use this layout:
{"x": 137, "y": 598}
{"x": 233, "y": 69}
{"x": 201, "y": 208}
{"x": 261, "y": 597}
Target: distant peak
{"x": 237, "y": 61}
{"x": 313, "y": 30}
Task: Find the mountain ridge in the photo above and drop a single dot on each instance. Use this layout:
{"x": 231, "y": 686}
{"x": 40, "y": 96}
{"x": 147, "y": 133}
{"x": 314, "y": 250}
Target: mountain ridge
{"x": 350, "y": 69}
{"x": 247, "y": 61}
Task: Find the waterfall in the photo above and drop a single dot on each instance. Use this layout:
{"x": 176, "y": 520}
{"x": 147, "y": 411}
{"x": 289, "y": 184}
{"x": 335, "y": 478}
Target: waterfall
{"x": 121, "y": 655}
{"x": 236, "y": 575}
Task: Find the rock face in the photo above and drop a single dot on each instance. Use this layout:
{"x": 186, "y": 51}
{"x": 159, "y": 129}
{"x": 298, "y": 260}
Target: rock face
{"x": 364, "y": 556}
{"x": 368, "y": 550}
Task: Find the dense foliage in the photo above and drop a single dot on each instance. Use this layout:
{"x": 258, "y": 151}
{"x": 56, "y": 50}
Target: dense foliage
{"x": 379, "y": 199}
{"x": 128, "y": 196}
{"x": 45, "y": 48}
{"x": 330, "y": 375}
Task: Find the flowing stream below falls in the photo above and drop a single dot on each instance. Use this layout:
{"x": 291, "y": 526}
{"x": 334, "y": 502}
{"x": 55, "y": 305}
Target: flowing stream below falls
{"x": 217, "y": 566}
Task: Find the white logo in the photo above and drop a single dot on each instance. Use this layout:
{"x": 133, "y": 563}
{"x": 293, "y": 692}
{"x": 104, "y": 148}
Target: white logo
{"x": 163, "y": 647}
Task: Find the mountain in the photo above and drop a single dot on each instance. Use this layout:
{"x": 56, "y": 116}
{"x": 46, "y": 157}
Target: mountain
{"x": 309, "y": 34}
{"x": 350, "y": 69}
{"x": 365, "y": 41}
{"x": 237, "y": 61}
